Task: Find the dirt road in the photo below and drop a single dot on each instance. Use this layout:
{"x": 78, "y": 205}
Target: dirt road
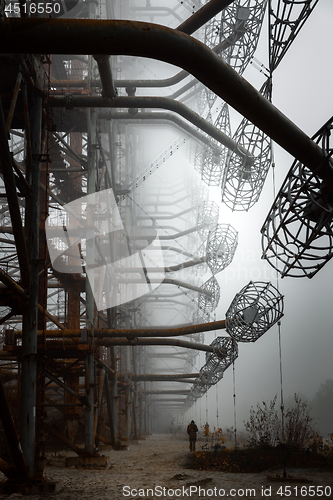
{"x": 158, "y": 468}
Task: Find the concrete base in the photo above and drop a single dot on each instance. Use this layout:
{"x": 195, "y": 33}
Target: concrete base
{"x": 88, "y": 462}
{"x": 37, "y": 487}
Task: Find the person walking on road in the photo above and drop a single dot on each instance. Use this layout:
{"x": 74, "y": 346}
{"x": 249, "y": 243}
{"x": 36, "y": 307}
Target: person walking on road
{"x": 192, "y": 430}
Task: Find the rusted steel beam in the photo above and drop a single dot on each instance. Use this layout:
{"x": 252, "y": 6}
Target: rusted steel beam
{"x": 107, "y": 368}
{"x": 133, "y": 38}
{"x": 62, "y": 438}
{"x": 13, "y": 204}
{"x": 18, "y": 290}
{"x": 61, "y": 384}
{"x": 13, "y": 101}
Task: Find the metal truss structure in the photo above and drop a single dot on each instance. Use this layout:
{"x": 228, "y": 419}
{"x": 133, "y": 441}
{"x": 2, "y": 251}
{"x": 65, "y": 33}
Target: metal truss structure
{"x": 297, "y": 235}
{"x": 285, "y": 21}
{"x": 95, "y": 114}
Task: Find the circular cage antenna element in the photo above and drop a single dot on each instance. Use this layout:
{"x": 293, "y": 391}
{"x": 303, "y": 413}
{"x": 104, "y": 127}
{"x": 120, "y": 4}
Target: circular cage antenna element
{"x": 208, "y": 215}
{"x": 297, "y": 236}
{"x": 257, "y": 307}
{"x": 213, "y": 160}
{"x": 226, "y": 351}
{"x": 237, "y": 33}
{"x": 207, "y": 303}
{"x": 221, "y": 246}
{"x": 244, "y": 177}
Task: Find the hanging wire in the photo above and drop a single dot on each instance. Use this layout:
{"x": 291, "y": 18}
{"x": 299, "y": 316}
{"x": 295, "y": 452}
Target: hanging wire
{"x": 234, "y": 396}
{"x": 217, "y": 407}
{"x": 206, "y": 407}
{"x": 279, "y": 330}
{"x": 216, "y": 391}
{"x": 200, "y": 420}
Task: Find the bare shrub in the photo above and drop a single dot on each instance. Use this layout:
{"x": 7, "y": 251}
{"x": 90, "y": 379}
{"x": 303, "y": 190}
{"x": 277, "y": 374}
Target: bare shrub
{"x": 265, "y": 425}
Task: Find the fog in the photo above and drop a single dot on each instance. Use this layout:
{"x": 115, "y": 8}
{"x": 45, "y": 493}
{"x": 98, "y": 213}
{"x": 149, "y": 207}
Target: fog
{"x": 301, "y": 90}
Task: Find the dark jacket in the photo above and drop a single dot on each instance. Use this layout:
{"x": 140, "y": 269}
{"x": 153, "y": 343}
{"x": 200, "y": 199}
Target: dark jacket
{"x": 192, "y": 430}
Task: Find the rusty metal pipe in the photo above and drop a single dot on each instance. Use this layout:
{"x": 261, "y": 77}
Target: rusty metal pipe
{"x": 162, "y": 118}
{"x": 189, "y": 26}
{"x": 203, "y": 15}
{"x": 104, "y": 68}
{"x": 62, "y": 36}
{"x": 72, "y": 101}
{"x": 151, "y": 341}
{"x": 138, "y": 332}
{"x": 161, "y": 378}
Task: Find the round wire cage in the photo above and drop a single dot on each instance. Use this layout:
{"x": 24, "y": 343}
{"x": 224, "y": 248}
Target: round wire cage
{"x": 208, "y": 303}
{"x": 212, "y": 372}
{"x": 244, "y": 177}
{"x": 240, "y": 29}
{"x": 221, "y": 246}
{"x": 208, "y": 215}
{"x": 213, "y": 161}
{"x": 297, "y": 236}
{"x": 257, "y": 307}
{"x": 225, "y": 355}
{"x": 237, "y": 33}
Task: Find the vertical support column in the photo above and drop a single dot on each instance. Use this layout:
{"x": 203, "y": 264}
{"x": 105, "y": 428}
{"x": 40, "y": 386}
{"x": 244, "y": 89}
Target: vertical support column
{"x": 90, "y": 304}
{"x": 73, "y": 301}
{"x": 114, "y": 394}
{"x": 128, "y": 386}
{"x": 30, "y": 316}
{"x": 135, "y": 397}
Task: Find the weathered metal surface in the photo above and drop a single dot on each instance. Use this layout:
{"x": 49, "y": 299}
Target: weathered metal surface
{"x": 150, "y": 40}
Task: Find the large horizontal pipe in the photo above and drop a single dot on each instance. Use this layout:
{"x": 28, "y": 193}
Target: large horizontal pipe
{"x": 167, "y": 400}
{"x": 152, "y": 341}
{"x": 87, "y": 36}
{"x": 159, "y": 377}
{"x": 138, "y": 332}
{"x": 189, "y": 26}
{"x": 157, "y": 118}
{"x": 74, "y": 101}
{"x": 168, "y": 391}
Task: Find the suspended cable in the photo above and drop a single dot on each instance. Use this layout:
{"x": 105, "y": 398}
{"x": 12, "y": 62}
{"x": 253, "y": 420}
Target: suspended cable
{"x": 234, "y": 396}
{"x": 279, "y": 328}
